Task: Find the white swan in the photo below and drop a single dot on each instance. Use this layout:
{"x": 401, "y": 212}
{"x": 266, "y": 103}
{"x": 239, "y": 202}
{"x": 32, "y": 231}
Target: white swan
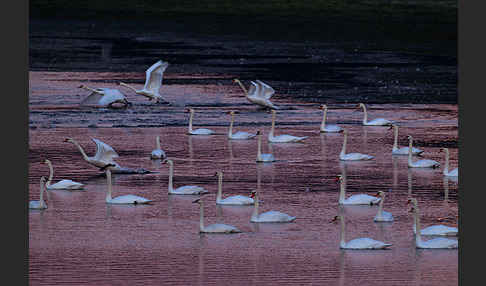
{"x": 233, "y": 200}
{"x": 382, "y": 216}
{"x": 199, "y": 131}
{"x": 63, "y": 184}
{"x": 263, "y": 157}
{"x": 446, "y": 172}
{"x": 104, "y": 97}
{"x": 184, "y": 190}
{"x": 374, "y": 122}
{"x": 121, "y": 200}
{"x": 269, "y": 216}
{"x": 40, "y": 204}
{"x": 438, "y": 229}
{"x": 359, "y": 199}
{"x": 438, "y": 242}
{"x": 153, "y": 82}
{"x": 351, "y": 156}
{"x": 358, "y": 243}
{"x": 328, "y": 127}
{"x": 403, "y": 150}
{"x": 240, "y": 135}
{"x": 157, "y": 153}
{"x": 259, "y": 93}
{"x": 424, "y": 163}
{"x": 282, "y": 138}
{"x": 213, "y": 228}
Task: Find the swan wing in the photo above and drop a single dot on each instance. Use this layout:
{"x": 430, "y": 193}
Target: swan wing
{"x": 275, "y": 216}
{"x": 439, "y": 229}
{"x": 36, "y": 205}
{"x": 129, "y": 199}
{"x": 220, "y": 228}
{"x": 104, "y": 152}
{"x": 266, "y": 158}
{"x": 236, "y": 200}
{"x": 355, "y": 157}
{"x": 242, "y": 135}
{"x": 154, "y": 75}
{"x": 66, "y": 185}
{"x": 158, "y": 154}
{"x": 453, "y": 173}
{"x": 92, "y": 99}
{"x": 202, "y": 131}
{"x": 366, "y": 243}
{"x": 254, "y": 89}
{"x": 438, "y": 242}
{"x": 285, "y": 138}
{"x": 266, "y": 90}
{"x": 361, "y": 199}
{"x": 189, "y": 190}
{"x": 379, "y": 122}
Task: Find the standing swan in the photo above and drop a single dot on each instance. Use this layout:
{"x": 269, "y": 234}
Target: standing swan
{"x": 438, "y": 242}
{"x": 359, "y": 199}
{"x": 328, "y": 127}
{"x": 351, "y": 156}
{"x": 453, "y": 173}
{"x": 282, "y": 138}
{"x": 63, "y": 184}
{"x": 40, "y": 204}
{"x": 199, "y": 131}
{"x": 424, "y": 163}
{"x": 266, "y": 157}
{"x": 153, "y": 82}
{"x": 240, "y": 135}
{"x": 382, "y": 216}
{"x": 157, "y": 153}
{"x": 233, "y": 200}
{"x": 270, "y": 216}
{"x": 184, "y": 190}
{"x": 374, "y": 122}
{"x": 358, "y": 243}
{"x": 403, "y": 150}
{"x": 213, "y": 228}
{"x": 104, "y": 97}
{"x": 125, "y": 199}
{"x": 259, "y": 93}
{"x": 438, "y": 229}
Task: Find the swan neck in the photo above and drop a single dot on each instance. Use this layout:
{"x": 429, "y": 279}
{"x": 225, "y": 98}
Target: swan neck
{"x": 157, "y": 142}
{"x": 259, "y": 151}
{"x": 254, "y": 215}
{"x": 365, "y": 117}
{"x": 220, "y": 187}
{"x": 410, "y": 151}
{"x": 171, "y": 174}
{"x": 446, "y": 165}
{"x": 342, "y": 191}
{"x": 342, "y": 239}
{"x": 51, "y": 173}
{"x": 190, "y": 121}
{"x": 108, "y": 180}
{"x": 80, "y": 149}
{"x": 273, "y": 124}
{"x": 418, "y": 238}
{"x": 343, "y": 150}
{"x": 129, "y": 86}
{"x": 324, "y": 115}
{"x": 380, "y": 206}
{"x": 230, "y": 131}
{"x": 242, "y": 87}
{"x": 41, "y": 195}
{"x": 201, "y": 216}
{"x": 395, "y": 139}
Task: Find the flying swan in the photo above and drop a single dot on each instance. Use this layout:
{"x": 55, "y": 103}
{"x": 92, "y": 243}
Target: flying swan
{"x": 259, "y": 93}
{"x": 374, "y": 122}
{"x": 104, "y": 97}
{"x": 213, "y": 228}
{"x": 358, "y": 243}
{"x": 63, "y": 184}
{"x": 282, "y": 138}
{"x": 184, "y": 190}
{"x": 40, "y": 204}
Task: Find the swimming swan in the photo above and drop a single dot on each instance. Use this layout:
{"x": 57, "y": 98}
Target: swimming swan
{"x": 358, "y": 243}
{"x": 184, "y": 190}
{"x": 403, "y": 150}
{"x": 359, "y": 199}
{"x": 282, "y": 138}
{"x": 104, "y": 97}
{"x": 199, "y": 131}
{"x": 240, "y": 135}
{"x": 213, "y": 228}
{"x": 153, "y": 82}
{"x": 125, "y": 199}
{"x": 263, "y": 157}
{"x": 351, "y": 156}
{"x": 157, "y": 153}
{"x": 259, "y": 93}
{"x": 424, "y": 163}
{"x": 40, "y": 204}
{"x": 382, "y": 216}
{"x": 328, "y": 127}
{"x": 270, "y": 216}
{"x": 374, "y": 122}
{"x": 454, "y": 172}
{"x": 63, "y": 184}
{"x": 438, "y": 229}
{"x": 233, "y": 200}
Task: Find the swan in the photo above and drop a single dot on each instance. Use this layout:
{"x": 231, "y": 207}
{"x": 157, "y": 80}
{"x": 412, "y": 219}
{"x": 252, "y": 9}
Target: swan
{"x": 259, "y": 93}
{"x": 199, "y": 131}
{"x": 233, "y": 200}
{"x": 125, "y": 199}
{"x": 270, "y": 216}
{"x": 40, "y": 204}
{"x": 374, "y": 122}
{"x": 328, "y": 127}
{"x": 351, "y": 156}
{"x": 359, "y": 199}
{"x": 266, "y": 157}
{"x": 104, "y": 97}
{"x": 282, "y": 138}
{"x": 153, "y": 81}
{"x": 213, "y": 228}
{"x": 438, "y": 242}
{"x": 240, "y": 135}
{"x": 184, "y": 190}
{"x": 157, "y": 153}
{"x": 454, "y": 172}
{"x": 403, "y": 150}
{"x": 424, "y": 163}
{"x": 358, "y": 243}
{"x": 63, "y": 184}
{"x": 382, "y": 215}
{"x": 438, "y": 229}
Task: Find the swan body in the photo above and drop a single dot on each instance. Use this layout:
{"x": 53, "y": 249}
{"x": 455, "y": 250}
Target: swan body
{"x": 343, "y": 156}
{"x": 446, "y": 172}
{"x": 263, "y": 157}
{"x": 259, "y": 93}
{"x": 125, "y": 199}
{"x": 359, "y": 199}
{"x": 233, "y": 200}
{"x": 423, "y": 163}
{"x": 104, "y": 97}
{"x": 184, "y": 190}
{"x": 199, "y": 131}
{"x": 213, "y": 228}
{"x": 63, "y": 184}
{"x": 269, "y": 216}
{"x": 374, "y": 122}
{"x": 402, "y": 150}
{"x": 382, "y": 216}
{"x": 158, "y": 153}
{"x": 331, "y": 128}
{"x": 40, "y": 204}
{"x": 153, "y": 81}
{"x": 438, "y": 242}
{"x": 282, "y": 138}
{"x": 358, "y": 243}
{"x": 240, "y": 135}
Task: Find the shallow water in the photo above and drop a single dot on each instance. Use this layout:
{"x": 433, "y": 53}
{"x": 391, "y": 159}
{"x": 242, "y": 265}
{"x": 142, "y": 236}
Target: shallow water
{"x": 81, "y": 240}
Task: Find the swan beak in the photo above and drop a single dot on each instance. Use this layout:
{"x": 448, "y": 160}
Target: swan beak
{"x": 66, "y": 140}
{"x": 252, "y": 195}
{"x": 334, "y": 219}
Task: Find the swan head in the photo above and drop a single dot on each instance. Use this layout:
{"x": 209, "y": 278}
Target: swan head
{"x": 236, "y": 80}
{"x": 338, "y": 178}
{"x": 252, "y": 194}
{"x": 218, "y": 173}
{"x": 167, "y": 161}
{"x": 412, "y": 201}
{"x": 444, "y": 149}
{"x": 334, "y": 219}
{"x": 345, "y": 131}
{"x": 392, "y": 126}
{"x": 361, "y": 105}
{"x": 258, "y": 132}
{"x": 43, "y": 180}
{"x": 322, "y": 106}
{"x": 105, "y": 167}
{"x": 198, "y": 201}
{"x": 46, "y": 161}
{"x": 380, "y": 194}
{"x": 189, "y": 110}
{"x": 68, "y": 140}
{"x": 231, "y": 112}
